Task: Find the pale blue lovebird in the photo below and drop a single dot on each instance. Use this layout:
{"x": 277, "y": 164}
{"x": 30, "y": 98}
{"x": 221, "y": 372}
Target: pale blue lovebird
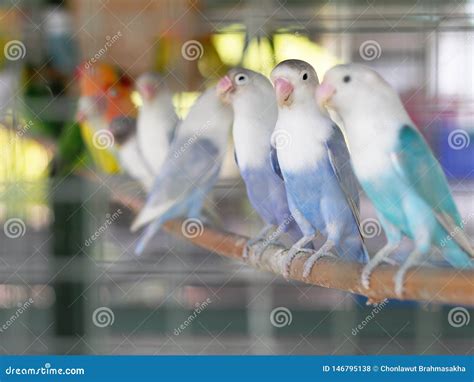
{"x": 191, "y": 167}
{"x": 255, "y": 114}
{"x": 323, "y": 194}
{"x": 396, "y": 169}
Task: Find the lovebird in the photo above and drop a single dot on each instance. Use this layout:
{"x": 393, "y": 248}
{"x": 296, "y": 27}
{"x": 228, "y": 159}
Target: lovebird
{"x": 132, "y": 162}
{"x": 191, "y": 168}
{"x": 255, "y": 114}
{"x": 157, "y": 119}
{"x": 322, "y": 190}
{"x": 94, "y": 82}
{"x": 396, "y": 169}
{"x": 120, "y": 114}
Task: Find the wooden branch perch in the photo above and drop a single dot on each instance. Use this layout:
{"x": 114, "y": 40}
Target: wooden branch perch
{"x": 441, "y": 285}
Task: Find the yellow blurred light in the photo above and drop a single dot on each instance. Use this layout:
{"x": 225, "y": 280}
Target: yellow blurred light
{"x": 183, "y": 101}
{"x": 230, "y": 44}
{"x": 259, "y": 56}
{"x": 290, "y": 46}
{"x": 136, "y": 98}
{"x": 23, "y": 159}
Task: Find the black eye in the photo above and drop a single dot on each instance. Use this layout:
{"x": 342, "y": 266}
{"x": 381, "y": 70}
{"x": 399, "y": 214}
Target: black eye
{"x": 305, "y": 76}
{"x": 347, "y": 79}
{"x": 241, "y": 79}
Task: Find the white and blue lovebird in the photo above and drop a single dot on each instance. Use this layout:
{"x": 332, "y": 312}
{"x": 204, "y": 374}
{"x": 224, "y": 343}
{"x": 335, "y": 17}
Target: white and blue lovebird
{"x": 323, "y": 193}
{"x": 191, "y": 168}
{"x": 255, "y": 114}
{"x": 397, "y": 170}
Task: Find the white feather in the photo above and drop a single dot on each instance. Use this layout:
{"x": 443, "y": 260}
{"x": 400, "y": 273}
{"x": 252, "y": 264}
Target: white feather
{"x": 254, "y": 122}
{"x": 155, "y": 123}
{"x": 133, "y": 164}
{"x": 302, "y": 133}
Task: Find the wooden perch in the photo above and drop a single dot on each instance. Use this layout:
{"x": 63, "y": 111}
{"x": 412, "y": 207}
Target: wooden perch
{"x": 440, "y": 285}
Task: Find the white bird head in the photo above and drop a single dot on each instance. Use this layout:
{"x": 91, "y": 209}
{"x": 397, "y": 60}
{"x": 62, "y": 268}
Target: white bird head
{"x": 149, "y": 85}
{"x": 244, "y": 88}
{"x": 355, "y": 91}
{"x": 294, "y": 81}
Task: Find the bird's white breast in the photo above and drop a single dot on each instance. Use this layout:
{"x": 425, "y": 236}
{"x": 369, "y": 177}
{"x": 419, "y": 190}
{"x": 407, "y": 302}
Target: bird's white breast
{"x": 300, "y": 140}
{"x": 252, "y": 140}
{"x": 370, "y": 148}
{"x": 153, "y": 129}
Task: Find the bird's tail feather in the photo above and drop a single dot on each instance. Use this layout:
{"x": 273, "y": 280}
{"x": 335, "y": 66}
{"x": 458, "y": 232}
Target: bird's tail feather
{"x": 353, "y": 249}
{"x": 146, "y": 236}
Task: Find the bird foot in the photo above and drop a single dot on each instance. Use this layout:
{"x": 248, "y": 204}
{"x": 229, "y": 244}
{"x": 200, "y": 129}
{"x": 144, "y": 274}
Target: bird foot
{"x": 399, "y": 281}
{"x": 309, "y": 264}
{"x": 290, "y": 257}
{"x": 369, "y": 268}
{"x": 249, "y": 244}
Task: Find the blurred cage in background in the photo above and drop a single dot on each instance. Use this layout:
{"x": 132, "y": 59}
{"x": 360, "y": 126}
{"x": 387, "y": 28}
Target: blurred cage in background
{"x": 69, "y": 283}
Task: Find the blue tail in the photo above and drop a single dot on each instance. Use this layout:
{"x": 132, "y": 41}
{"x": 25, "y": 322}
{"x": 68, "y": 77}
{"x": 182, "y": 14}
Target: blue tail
{"x": 456, "y": 256}
{"x": 353, "y": 249}
{"x": 150, "y": 231}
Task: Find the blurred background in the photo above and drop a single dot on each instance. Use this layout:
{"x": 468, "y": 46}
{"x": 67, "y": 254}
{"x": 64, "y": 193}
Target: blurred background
{"x": 69, "y": 283}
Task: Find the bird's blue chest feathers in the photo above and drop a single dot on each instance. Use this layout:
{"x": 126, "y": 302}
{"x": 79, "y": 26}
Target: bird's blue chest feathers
{"x": 386, "y": 193}
{"x": 266, "y": 191}
{"x": 311, "y": 188}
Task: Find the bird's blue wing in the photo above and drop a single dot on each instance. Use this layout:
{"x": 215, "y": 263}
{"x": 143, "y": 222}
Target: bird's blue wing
{"x": 416, "y": 164}
{"x": 187, "y": 168}
{"x": 341, "y": 164}
{"x": 274, "y": 162}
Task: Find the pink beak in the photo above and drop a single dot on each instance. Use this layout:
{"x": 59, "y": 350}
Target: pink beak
{"x": 324, "y": 92}
{"x": 283, "y": 89}
{"x": 224, "y": 85}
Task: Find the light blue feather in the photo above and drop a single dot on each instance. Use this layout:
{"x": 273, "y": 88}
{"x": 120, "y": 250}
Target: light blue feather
{"x": 413, "y": 195}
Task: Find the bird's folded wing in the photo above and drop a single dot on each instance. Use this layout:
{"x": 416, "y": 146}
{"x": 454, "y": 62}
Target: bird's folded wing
{"x": 274, "y": 162}
{"x": 414, "y": 162}
{"x": 341, "y": 165}
{"x": 187, "y": 168}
